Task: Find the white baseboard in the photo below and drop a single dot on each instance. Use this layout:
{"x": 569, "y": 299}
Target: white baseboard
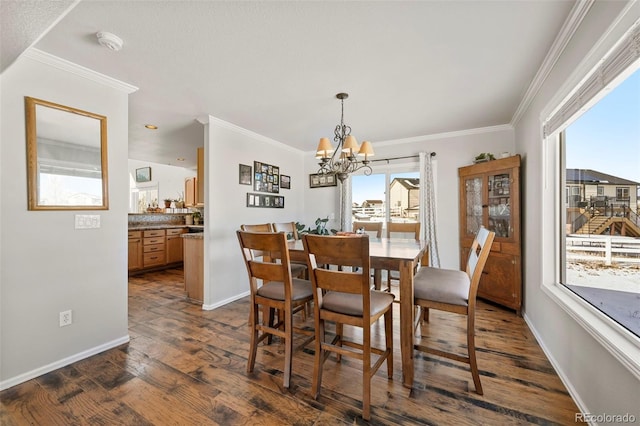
{"x": 224, "y": 302}
{"x": 565, "y": 380}
{"x": 5, "y": 384}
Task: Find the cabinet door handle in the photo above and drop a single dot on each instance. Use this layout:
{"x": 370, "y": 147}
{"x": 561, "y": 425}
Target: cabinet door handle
{"x": 484, "y": 206}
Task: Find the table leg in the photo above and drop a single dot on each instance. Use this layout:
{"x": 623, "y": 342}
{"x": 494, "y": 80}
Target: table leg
{"x": 406, "y": 321}
{"x": 377, "y": 278}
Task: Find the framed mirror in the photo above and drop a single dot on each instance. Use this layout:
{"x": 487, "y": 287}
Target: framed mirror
{"x": 66, "y": 157}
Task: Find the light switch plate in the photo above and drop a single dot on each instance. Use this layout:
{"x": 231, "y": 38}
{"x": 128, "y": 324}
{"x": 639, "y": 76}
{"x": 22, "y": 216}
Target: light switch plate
{"x": 87, "y": 221}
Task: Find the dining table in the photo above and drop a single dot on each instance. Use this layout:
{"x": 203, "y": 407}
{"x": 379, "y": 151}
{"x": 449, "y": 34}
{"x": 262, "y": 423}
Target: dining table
{"x": 392, "y": 254}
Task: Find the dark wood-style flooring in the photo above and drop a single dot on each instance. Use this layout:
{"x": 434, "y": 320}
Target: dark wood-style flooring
{"x": 186, "y": 366}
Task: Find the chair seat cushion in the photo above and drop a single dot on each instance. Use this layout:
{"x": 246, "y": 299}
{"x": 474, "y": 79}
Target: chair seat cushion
{"x": 302, "y": 289}
{"x": 351, "y": 304}
{"x": 297, "y": 269}
{"x": 442, "y": 285}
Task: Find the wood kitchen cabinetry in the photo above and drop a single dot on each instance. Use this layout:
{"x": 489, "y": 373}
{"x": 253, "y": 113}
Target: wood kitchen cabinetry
{"x": 194, "y": 268}
{"x": 135, "y": 250}
{"x": 155, "y": 249}
{"x": 174, "y": 245}
{"x": 194, "y": 186}
{"x": 490, "y": 196}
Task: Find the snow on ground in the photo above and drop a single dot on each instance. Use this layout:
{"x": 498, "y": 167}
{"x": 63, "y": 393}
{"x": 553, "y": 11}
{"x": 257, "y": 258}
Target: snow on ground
{"x": 616, "y": 277}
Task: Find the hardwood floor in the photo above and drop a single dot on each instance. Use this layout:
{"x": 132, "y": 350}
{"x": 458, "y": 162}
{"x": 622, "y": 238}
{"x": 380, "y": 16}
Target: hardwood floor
{"x": 186, "y": 366}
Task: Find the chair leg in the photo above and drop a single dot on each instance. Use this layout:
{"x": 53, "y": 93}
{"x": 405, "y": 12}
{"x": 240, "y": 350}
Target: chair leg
{"x": 253, "y": 344}
{"x": 388, "y": 336}
{"x": 339, "y": 331}
{"x": 318, "y": 360}
{"x": 288, "y": 348}
{"x": 471, "y": 346}
{"x": 366, "y": 372}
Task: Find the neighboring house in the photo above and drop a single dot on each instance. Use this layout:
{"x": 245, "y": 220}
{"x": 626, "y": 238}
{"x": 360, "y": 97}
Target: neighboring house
{"x": 404, "y": 197}
{"x": 590, "y": 188}
{"x": 598, "y": 203}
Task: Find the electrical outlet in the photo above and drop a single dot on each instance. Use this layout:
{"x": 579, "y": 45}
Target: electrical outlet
{"x": 65, "y": 318}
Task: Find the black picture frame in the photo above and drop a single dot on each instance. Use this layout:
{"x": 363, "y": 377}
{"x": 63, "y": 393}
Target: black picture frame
{"x": 143, "y": 174}
{"x": 322, "y": 180}
{"x": 265, "y": 201}
{"x": 244, "y": 174}
{"x": 285, "y": 182}
{"x": 266, "y": 177}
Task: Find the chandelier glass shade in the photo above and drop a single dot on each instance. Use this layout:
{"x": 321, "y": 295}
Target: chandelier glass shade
{"x": 343, "y": 160}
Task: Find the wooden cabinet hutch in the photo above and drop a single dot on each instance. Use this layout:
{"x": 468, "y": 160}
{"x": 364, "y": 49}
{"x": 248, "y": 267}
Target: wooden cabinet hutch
{"x": 490, "y": 196}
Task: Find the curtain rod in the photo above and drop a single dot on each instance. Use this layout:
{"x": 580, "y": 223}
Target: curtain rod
{"x": 433, "y": 154}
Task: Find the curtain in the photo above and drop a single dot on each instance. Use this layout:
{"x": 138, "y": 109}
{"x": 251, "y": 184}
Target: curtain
{"x": 346, "y": 205}
{"x": 428, "y": 207}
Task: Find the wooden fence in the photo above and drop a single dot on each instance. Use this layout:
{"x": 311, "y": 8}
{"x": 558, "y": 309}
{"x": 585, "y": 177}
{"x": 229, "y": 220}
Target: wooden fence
{"x": 603, "y": 248}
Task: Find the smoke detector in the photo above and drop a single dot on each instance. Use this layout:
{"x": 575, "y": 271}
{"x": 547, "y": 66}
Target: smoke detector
{"x": 109, "y": 40}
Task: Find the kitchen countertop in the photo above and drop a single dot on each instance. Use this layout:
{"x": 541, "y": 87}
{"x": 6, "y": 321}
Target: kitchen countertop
{"x": 148, "y": 227}
{"x": 193, "y": 235}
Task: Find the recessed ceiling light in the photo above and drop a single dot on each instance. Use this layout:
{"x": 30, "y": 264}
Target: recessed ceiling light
{"x": 151, "y": 126}
{"x": 180, "y": 158}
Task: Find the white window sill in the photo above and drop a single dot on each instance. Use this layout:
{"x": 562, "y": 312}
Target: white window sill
{"x": 620, "y": 342}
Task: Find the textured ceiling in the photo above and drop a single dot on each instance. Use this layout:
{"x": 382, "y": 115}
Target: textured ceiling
{"x": 410, "y": 68}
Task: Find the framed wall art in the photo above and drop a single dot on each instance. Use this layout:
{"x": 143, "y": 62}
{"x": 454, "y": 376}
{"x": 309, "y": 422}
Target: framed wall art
{"x": 322, "y": 180}
{"x": 244, "y": 174}
{"x": 285, "y": 182}
{"x": 143, "y": 174}
{"x": 265, "y": 201}
{"x": 266, "y": 177}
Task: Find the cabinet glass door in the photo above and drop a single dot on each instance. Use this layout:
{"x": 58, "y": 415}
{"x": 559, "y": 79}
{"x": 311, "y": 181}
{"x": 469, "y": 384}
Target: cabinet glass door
{"x": 499, "y": 186}
{"x": 473, "y": 195}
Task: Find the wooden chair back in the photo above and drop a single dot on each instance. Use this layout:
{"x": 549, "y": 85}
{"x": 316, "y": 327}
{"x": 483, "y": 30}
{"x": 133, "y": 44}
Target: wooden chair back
{"x": 412, "y": 228}
{"x": 260, "y": 227}
{"x": 345, "y": 252}
{"x": 288, "y": 228}
{"x": 478, "y": 254}
{"x": 374, "y": 229}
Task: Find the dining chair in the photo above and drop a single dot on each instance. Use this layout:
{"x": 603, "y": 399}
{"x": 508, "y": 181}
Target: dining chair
{"x": 273, "y": 287}
{"x": 374, "y": 229}
{"x": 455, "y": 291}
{"x": 345, "y": 297}
{"x": 400, "y": 230}
{"x": 297, "y": 269}
{"x": 287, "y": 227}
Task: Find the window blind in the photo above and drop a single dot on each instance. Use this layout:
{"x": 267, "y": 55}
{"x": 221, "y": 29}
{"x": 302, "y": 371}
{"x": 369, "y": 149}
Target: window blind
{"x": 621, "y": 58}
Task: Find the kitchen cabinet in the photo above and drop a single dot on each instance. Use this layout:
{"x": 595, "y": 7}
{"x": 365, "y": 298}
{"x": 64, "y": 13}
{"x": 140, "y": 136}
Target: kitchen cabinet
{"x": 154, "y": 248}
{"x": 191, "y": 192}
{"x": 135, "y": 250}
{"x": 174, "y": 245}
{"x": 490, "y": 196}
{"x": 194, "y": 268}
{"x": 200, "y": 178}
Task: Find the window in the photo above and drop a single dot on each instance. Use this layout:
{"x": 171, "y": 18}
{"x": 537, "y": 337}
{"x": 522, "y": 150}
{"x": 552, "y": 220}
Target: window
{"x": 622, "y": 193}
{"x": 397, "y": 188}
{"x": 578, "y": 156}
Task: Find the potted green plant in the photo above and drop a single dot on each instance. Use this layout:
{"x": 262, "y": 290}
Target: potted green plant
{"x": 196, "y": 217}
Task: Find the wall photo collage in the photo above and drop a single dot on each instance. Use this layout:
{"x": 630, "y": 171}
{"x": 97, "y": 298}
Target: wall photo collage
{"x": 266, "y": 179}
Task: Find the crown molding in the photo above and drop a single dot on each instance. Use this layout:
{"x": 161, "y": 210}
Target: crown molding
{"x": 210, "y": 119}
{"x": 570, "y": 26}
{"x": 446, "y": 135}
{"x": 63, "y": 64}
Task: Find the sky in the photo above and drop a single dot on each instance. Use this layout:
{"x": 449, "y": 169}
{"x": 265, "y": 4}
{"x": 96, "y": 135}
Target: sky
{"x": 606, "y": 138}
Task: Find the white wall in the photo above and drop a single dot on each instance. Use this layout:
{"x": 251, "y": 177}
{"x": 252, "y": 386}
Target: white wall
{"x": 170, "y": 179}
{"x": 227, "y": 146}
{"x": 598, "y": 382}
{"x": 46, "y": 266}
{"x": 453, "y": 150}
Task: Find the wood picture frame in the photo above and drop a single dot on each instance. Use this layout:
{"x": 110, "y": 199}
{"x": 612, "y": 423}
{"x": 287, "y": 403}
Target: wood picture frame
{"x": 244, "y": 174}
{"x": 143, "y": 174}
{"x": 322, "y": 180}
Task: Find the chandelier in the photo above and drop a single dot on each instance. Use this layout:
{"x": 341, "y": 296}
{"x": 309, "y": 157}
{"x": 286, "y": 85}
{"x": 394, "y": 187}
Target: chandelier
{"x": 344, "y": 159}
